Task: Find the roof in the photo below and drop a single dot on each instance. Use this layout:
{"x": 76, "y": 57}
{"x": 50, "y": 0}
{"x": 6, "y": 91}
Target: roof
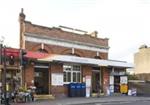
{"x": 83, "y": 60}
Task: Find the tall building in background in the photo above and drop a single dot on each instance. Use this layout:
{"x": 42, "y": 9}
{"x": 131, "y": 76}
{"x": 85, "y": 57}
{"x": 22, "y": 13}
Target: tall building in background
{"x": 142, "y": 60}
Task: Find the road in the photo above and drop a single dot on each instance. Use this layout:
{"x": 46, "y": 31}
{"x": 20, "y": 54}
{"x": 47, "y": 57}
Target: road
{"x": 106, "y": 103}
{"x": 121, "y": 103}
{"x": 92, "y": 101}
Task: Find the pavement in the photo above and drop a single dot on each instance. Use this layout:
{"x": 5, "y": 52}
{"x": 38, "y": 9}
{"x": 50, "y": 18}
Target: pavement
{"x": 85, "y": 101}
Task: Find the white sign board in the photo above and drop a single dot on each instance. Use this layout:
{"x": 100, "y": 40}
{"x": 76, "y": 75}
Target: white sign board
{"x": 111, "y": 88}
{"x": 111, "y": 80}
{"x": 57, "y": 79}
{"x": 88, "y": 81}
{"x": 124, "y": 80}
{"x": 87, "y": 92}
{"x": 88, "y": 85}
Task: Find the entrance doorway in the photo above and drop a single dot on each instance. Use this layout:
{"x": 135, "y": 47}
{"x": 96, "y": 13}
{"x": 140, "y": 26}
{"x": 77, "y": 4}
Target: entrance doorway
{"x": 41, "y": 80}
{"x": 117, "y": 84}
{"x": 96, "y": 81}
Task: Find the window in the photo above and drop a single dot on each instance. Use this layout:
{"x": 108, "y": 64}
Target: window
{"x": 42, "y": 50}
{"x": 72, "y": 73}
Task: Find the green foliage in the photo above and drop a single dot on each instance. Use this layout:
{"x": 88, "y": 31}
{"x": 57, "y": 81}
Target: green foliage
{"x": 22, "y": 89}
{"x": 132, "y": 77}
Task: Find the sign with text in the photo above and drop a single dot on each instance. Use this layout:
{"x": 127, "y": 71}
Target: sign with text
{"x": 111, "y": 80}
{"x": 88, "y": 81}
{"x": 124, "y": 80}
{"x": 57, "y": 79}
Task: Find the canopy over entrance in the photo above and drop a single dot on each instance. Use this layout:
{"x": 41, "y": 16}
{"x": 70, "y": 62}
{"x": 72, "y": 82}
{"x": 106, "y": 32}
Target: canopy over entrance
{"x": 84, "y": 60}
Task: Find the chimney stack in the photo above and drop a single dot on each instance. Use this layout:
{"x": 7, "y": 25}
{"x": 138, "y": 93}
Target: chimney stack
{"x": 22, "y": 16}
{"x": 94, "y": 34}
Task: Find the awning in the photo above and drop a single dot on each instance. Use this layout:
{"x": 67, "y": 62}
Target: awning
{"x": 11, "y": 51}
{"x": 83, "y": 60}
{"x": 36, "y": 55}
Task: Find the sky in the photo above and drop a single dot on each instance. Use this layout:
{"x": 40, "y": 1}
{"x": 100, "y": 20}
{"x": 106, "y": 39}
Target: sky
{"x": 125, "y": 22}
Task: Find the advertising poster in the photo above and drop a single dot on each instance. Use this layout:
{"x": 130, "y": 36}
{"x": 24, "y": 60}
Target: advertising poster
{"x": 88, "y": 85}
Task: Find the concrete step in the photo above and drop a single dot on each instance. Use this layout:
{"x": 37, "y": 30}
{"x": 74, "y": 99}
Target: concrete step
{"x": 44, "y": 97}
{"x": 96, "y": 94}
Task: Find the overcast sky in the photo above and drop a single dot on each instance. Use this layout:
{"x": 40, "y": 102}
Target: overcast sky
{"x": 125, "y": 22}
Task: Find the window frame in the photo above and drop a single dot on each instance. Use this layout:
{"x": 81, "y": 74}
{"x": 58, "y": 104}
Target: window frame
{"x": 71, "y": 71}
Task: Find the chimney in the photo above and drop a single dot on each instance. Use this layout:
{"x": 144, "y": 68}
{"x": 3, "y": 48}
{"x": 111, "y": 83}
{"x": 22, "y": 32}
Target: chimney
{"x": 22, "y": 28}
{"x": 22, "y": 16}
{"x": 94, "y": 34}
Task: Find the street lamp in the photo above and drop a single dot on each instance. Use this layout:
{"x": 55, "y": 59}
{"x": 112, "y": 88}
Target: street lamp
{"x": 1, "y": 66}
{"x": 4, "y": 68}
{"x": 0, "y": 72}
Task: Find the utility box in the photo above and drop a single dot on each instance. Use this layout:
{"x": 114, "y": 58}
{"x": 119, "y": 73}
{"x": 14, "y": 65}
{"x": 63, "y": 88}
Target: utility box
{"x": 72, "y": 90}
{"x": 78, "y": 89}
{"x": 83, "y": 90}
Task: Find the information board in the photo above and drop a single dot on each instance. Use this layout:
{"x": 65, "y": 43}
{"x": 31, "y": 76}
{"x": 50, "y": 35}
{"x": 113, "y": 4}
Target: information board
{"x": 124, "y": 80}
{"x": 57, "y": 79}
{"x": 88, "y": 81}
{"x": 111, "y": 80}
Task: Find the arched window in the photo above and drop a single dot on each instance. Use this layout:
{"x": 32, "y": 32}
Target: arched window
{"x": 42, "y": 50}
{"x": 77, "y": 55}
{"x": 97, "y": 57}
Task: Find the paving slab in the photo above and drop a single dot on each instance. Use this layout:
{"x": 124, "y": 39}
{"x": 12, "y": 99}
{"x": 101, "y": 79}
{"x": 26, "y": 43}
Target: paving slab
{"x": 79, "y": 101}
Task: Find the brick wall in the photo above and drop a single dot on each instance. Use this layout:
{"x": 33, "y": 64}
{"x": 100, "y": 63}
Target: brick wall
{"x": 63, "y": 50}
{"x": 86, "y": 70}
{"x": 57, "y": 90}
{"x": 29, "y": 75}
{"x": 58, "y": 33}
{"x": 105, "y": 80}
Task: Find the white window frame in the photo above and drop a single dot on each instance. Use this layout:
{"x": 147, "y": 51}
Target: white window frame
{"x": 71, "y": 71}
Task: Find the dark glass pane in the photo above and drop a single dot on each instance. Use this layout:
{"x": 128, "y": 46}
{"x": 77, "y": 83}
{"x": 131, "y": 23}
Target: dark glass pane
{"x": 74, "y": 77}
{"x": 78, "y": 77}
{"x": 69, "y": 77}
{"x": 65, "y": 77}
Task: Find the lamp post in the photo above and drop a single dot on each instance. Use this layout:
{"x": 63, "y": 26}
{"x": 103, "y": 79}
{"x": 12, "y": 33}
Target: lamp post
{"x": 1, "y": 72}
{"x": 6, "y": 93}
{"x": 1, "y": 66}
{"x": 4, "y": 68}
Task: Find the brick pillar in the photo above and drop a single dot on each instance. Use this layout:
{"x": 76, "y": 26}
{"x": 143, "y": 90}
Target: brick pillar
{"x": 105, "y": 79}
{"x": 57, "y": 90}
{"x": 29, "y": 75}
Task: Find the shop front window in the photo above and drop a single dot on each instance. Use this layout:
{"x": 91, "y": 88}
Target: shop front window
{"x": 72, "y": 73}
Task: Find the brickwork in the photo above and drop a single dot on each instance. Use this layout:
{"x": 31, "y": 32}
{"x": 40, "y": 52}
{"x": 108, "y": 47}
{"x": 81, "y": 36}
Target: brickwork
{"x": 58, "y": 33}
{"x": 86, "y": 70}
{"x": 106, "y": 74}
{"x": 29, "y": 75}
{"x": 63, "y": 50}
{"x": 57, "y": 90}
